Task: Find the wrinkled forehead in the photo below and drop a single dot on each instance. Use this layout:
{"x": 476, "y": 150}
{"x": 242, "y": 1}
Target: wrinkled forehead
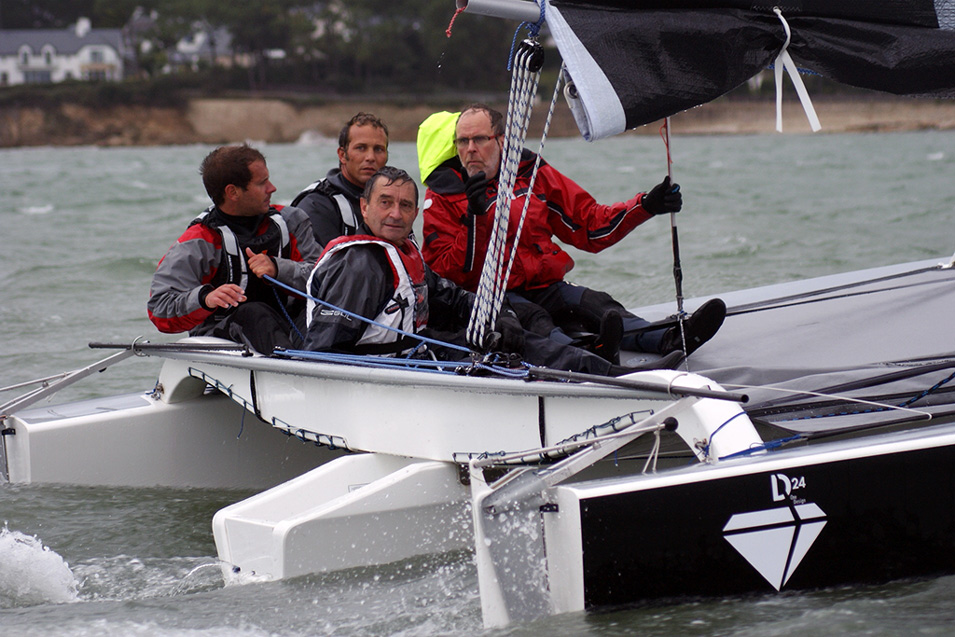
{"x": 473, "y": 122}
{"x": 397, "y": 190}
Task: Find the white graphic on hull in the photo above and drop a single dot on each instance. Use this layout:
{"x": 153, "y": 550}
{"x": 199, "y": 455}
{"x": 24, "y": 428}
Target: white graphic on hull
{"x": 774, "y": 541}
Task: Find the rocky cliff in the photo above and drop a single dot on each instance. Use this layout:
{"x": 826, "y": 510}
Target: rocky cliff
{"x": 218, "y": 121}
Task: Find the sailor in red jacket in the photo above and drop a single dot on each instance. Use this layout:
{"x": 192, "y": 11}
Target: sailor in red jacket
{"x": 459, "y": 213}
{"x": 210, "y": 281}
{"x": 380, "y": 274}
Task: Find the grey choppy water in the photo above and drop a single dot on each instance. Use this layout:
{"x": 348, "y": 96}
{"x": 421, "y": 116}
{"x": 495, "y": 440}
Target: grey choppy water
{"x": 83, "y": 228}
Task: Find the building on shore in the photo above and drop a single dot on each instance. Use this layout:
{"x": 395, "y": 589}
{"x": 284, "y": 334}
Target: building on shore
{"x": 45, "y": 56}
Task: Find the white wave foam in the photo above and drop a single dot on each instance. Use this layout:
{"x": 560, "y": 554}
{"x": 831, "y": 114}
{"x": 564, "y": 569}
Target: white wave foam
{"x": 314, "y": 138}
{"x": 32, "y": 574}
{"x": 37, "y": 210}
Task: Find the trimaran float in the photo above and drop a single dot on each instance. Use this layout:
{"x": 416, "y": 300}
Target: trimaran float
{"x": 806, "y": 449}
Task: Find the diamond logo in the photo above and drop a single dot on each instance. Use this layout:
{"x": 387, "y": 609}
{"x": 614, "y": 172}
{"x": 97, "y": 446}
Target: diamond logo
{"x": 774, "y": 541}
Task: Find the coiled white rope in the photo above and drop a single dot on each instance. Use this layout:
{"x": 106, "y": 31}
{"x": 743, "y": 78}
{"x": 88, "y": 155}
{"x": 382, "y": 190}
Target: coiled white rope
{"x": 498, "y": 260}
{"x": 530, "y": 186}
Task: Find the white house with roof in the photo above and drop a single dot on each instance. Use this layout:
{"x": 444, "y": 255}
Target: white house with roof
{"x": 43, "y": 56}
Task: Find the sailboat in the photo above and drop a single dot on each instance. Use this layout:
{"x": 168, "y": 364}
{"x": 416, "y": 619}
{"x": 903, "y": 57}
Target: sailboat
{"x": 809, "y": 446}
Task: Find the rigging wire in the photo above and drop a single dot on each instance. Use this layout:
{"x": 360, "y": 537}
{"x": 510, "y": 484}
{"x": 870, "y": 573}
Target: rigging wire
{"x": 456, "y": 368}
{"x": 923, "y": 367}
{"x": 812, "y": 296}
{"x": 879, "y": 407}
{"x": 849, "y": 399}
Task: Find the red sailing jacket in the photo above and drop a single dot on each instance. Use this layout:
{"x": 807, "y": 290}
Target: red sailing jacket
{"x": 455, "y": 243}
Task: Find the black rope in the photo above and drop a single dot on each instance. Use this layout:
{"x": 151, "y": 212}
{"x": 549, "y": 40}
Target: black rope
{"x": 865, "y": 383}
{"x": 827, "y": 407}
{"x": 810, "y": 297}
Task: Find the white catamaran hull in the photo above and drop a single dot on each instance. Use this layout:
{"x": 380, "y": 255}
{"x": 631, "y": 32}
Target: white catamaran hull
{"x": 140, "y": 440}
{"x": 372, "y": 465}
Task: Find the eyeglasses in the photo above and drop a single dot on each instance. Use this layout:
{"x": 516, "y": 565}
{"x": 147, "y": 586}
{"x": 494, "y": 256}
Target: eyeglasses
{"x": 479, "y": 140}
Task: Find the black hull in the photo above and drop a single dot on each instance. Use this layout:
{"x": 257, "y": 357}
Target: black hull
{"x": 875, "y": 519}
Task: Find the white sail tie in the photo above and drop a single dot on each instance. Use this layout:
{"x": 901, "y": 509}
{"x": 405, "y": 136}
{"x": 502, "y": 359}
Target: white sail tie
{"x": 785, "y": 61}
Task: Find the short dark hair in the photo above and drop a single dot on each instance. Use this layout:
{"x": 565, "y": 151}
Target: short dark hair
{"x": 228, "y": 165}
{"x": 392, "y": 174}
{"x": 360, "y": 119}
{"x": 496, "y": 117}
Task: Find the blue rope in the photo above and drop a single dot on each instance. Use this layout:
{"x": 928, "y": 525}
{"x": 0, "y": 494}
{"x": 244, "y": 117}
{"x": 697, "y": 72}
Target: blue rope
{"x": 370, "y": 361}
{"x": 533, "y": 28}
{"x": 706, "y": 448}
{"x": 287, "y": 316}
{"x": 802, "y": 71}
{"x": 423, "y": 339}
{"x": 928, "y": 391}
{"x": 438, "y": 367}
{"x": 766, "y": 446}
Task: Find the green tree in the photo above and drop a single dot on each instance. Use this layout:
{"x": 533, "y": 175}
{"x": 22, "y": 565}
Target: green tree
{"x": 43, "y": 14}
{"x": 401, "y": 45}
{"x": 345, "y": 46}
{"x": 116, "y": 14}
{"x": 260, "y": 28}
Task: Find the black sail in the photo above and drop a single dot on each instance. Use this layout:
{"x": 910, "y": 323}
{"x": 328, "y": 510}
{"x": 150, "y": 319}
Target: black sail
{"x": 635, "y": 62}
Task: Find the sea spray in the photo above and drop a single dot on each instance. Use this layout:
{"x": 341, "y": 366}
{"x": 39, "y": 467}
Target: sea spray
{"x": 32, "y": 574}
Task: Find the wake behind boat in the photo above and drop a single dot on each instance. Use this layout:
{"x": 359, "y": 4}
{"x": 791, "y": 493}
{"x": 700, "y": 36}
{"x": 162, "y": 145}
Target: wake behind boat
{"x": 806, "y": 446}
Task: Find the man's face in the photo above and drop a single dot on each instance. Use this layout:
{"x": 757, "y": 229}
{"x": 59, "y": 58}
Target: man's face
{"x": 256, "y": 197}
{"x": 483, "y": 156}
{"x": 367, "y": 152}
{"x": 390, "y": 210}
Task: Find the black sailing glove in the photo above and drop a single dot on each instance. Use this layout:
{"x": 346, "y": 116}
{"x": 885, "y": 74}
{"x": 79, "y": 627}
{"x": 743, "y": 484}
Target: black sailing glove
{"x": 663, "y": 198}
{"x": 475, "y": 188}
{"x": 512, "y": 334}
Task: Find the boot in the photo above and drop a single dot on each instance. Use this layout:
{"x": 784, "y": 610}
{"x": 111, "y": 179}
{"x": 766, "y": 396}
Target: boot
{"x": 699, "y": 327}
{"x": 607, "y": 345}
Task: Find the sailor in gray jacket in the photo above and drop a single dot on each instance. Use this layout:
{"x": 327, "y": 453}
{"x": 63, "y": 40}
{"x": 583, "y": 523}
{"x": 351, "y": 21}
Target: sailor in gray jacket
{"x": 210, "y": 282}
